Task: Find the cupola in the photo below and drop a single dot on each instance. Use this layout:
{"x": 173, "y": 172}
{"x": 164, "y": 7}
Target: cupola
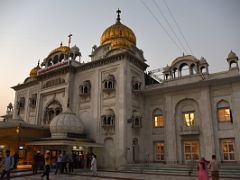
{"x": 118, "y": 35}
{"x": 64, "y": 123}
{"x": 33, "y": 72}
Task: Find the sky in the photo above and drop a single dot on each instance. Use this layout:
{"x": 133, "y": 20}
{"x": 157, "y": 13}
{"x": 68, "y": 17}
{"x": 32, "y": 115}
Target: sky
{"x": 30, "y": 29}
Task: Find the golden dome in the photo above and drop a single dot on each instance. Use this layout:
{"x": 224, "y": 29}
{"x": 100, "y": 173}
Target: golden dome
{"x": 119, "y": 35}
{"x": 33, "y": 72}
{"x": 63, "y": 49}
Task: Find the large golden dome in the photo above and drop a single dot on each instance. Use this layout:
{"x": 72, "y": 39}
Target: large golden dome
{"x": 119, "y": 35}
{"x": 63, "y": 49}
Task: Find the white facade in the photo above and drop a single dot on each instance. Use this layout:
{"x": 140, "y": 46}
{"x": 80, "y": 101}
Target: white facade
{"x": 134, "y": 117}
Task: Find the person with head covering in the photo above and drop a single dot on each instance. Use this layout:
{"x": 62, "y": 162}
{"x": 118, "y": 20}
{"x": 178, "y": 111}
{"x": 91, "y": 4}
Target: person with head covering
{"x": 94, "y": 165}
{"x": 202, "y": 169}
{"x": 8, "y": 164}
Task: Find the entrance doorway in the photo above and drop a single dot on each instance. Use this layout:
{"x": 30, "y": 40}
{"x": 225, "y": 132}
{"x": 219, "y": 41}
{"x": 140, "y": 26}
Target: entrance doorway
{"x": 135, "y": 150}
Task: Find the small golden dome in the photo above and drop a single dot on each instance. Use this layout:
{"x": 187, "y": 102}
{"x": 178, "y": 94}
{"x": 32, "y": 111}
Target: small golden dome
{"x": 63, "y": 49}
{"x": 33, "y": 72}
{"x": 119, "y": 35}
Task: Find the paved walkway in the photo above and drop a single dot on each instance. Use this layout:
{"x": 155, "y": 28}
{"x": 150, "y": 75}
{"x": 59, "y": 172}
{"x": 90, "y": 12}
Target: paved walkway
{"x": 105, "y": 175}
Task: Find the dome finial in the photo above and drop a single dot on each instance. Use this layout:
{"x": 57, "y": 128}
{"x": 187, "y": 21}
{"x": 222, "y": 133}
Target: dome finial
{"x": 118, "y": 15}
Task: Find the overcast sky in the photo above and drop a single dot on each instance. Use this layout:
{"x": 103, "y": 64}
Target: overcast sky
{"x": 30, "y": 29}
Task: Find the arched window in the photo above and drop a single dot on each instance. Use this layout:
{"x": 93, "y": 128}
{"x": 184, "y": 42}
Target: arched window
{"x": 184, "y": 69}
{"x": 108, "y": 118}
{"x": 85, "y": 88}
{"x": 61, "y": 58}
{"x": 33, "y": 100}
{"x": 158, "y": 119}
{"x": 21, "y": 105}
{"x": 136, "y": 119}
{"x": 108, "y": 83}
{"x": 175, "y": 73}
{"x": 136, "y": 84}
{"x": 224, "y": 111}
{"x": 193, "y": 69}
{"x": 52, "y": 110}
{"x": 49, "y": 63}
{"x": 233, "y": 64}
{"x": 71, "y": 56}
{"x": 22, "y": 102}
{"x": 55, "y": 59}
{"x": 203, "y": 69}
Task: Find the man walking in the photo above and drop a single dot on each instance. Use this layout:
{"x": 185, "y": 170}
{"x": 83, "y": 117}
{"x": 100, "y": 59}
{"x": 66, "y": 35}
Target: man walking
{"x": 8, "y": 164}
{"x": 214, "y": 167}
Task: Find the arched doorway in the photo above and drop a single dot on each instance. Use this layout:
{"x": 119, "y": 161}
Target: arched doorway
{"x": 109, "y": 155}
{"x": 135, "y": 147}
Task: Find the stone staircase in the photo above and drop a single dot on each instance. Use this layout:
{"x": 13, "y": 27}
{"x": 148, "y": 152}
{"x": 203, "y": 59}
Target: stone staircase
{"x": 226, "y": 171}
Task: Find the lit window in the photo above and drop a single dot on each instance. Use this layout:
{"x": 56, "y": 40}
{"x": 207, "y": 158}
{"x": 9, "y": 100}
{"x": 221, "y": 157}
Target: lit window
{"x": 191, "y": 150}
{"x": 158, "y": 121}
{"x": 224, "y": 115}
{"x": 228, "y": 149}
{"x": 189, "y": 119}
{"x": 159, "y": 151}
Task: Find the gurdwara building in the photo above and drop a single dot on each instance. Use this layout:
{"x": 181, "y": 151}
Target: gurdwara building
{"x": 112, "y": 107}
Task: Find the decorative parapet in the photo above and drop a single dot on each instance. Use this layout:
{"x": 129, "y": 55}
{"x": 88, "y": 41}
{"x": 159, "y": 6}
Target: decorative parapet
{"x": 54, "y": 67}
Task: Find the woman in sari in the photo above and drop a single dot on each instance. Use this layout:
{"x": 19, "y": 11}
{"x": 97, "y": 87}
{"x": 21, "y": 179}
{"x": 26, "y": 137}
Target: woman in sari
{"x": 202, "y": 169}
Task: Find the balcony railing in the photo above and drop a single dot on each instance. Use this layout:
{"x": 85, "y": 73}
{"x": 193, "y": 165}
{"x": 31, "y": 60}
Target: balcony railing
{"x": 190, "y": 130}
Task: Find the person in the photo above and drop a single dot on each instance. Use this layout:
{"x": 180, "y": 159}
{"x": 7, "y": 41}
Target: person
{"x": 88, "y": 159}
{"x": 59, "y": 162}
{"x": 1, "y": 161}
{"x": 70, "y": 164}
{"x": 7, "y": 164}
{"x": 214, "y": 167}
{"x": 47, "y": 163}
{"x": 202, "y": 169}
{"x": 81, "y": 157}
{"x": 64, "y": 163}
{"x": 36, "y": 162}
{"x": 94, "y": 165}
{"x": 16, "y": 158}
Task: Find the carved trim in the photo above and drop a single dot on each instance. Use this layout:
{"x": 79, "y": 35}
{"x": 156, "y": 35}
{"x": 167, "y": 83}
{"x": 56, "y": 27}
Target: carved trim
{"x": 131, "y": 58}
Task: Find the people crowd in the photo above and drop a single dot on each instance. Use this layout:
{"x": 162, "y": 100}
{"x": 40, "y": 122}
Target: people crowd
{"x": 63, "y": 162}
{"x": 66, "y": 163}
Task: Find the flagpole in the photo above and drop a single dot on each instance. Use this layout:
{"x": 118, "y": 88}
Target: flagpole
{"x": 69, "y": 39}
